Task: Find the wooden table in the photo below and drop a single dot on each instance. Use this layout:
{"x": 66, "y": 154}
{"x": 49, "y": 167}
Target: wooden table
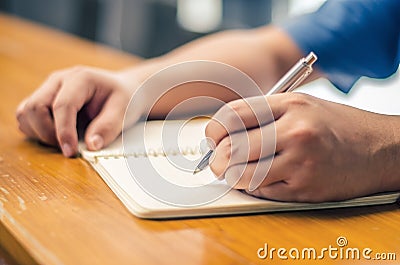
{"x": 55, "y": 210}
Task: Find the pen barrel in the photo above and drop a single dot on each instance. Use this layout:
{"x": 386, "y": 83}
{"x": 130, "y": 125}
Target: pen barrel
{"x": 299, "y": 78}
{"x": 292, "y": 78}
{"x": 295, "y": 75}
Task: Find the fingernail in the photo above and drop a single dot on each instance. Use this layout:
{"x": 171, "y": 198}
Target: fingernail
{"x": 67, "y": 150}
{"x": 96, "y": 142}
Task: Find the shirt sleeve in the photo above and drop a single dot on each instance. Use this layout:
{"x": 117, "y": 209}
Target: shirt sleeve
{"x": 351, "y": 39}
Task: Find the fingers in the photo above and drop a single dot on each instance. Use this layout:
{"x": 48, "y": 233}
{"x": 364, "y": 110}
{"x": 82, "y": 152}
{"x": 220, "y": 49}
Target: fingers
{"x": 42, "y": 124}
{"x": 244, "y": 146}
{"x": 273, "y": 185}
{"x": 34, "y": 114}
{"x": 272, "y": 176}
{"x": 263, "y": 172}
{"x": 248, "y": 113}
{"x": 278, "y": 191}
{"x": 237, "y": 116}
{"x": 242, "y": 151}
{"x": 108, "y": 123}
{"x": 50, "y": 114}
{"x": 23, "y": 122}
{"x": 73, "y": 94}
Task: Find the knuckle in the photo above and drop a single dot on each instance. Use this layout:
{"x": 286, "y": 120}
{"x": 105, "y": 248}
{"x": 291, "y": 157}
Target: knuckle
{"x": 41, "y": 109}
{"x": 236, "y": 105}
{"x": 310, "y": 165}
{"x": 78, "y": 68}
{"x": 20, "y": 113}
{"x": 303, "y": 132}
{"x": 62, "y": 105}
{"x": 298, "y": 100}
{"x": 81, "y": 74}
{"x": 36, "y": 108}
{"x": 231, "y": 115}
{"x": 55, "y": 75}
{"x": 30, "y": 106}
{"x": 58, "y": 104}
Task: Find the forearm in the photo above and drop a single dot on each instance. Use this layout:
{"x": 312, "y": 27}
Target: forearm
{"x": 387, "y": 152}
{"x": 264, "y": 54}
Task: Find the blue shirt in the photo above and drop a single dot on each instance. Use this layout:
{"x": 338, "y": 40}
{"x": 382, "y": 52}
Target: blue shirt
{"x": 352, "y": 38}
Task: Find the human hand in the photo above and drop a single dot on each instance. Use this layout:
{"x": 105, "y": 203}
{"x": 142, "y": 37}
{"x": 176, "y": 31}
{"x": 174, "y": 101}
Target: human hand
{"x": 324, "y": 151}
{"x": 50, "y": 113}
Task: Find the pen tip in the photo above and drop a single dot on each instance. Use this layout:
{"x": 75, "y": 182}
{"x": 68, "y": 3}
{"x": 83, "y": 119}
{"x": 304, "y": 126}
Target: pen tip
{"x": 197, "y": 170}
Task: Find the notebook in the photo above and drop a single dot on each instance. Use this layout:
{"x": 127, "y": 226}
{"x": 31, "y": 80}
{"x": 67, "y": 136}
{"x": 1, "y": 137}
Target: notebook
{"x": 149, "y": 168}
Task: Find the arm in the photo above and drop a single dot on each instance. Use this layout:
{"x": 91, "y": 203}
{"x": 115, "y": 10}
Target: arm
{"x": 50, "y": 114}
{"x": 259, "y": 49}
{"x": 324, "y": 151}
{"x": 265, "y": 55}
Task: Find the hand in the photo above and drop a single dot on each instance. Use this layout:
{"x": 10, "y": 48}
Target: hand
{"x": 50, "y": 114}
{"x": 324, "y": 151}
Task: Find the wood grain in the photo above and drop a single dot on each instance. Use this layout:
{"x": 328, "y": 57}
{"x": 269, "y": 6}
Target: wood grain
{"x": 55, "y": 210}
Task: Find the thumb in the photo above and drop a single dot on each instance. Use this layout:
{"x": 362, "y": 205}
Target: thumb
{"x": 107, "y": 125}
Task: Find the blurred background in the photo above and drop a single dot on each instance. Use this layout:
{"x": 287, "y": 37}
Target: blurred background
{"x": 150, "y": 28}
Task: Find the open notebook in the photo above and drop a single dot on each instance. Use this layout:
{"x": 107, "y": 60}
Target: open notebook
{"x": 112, "y": 165}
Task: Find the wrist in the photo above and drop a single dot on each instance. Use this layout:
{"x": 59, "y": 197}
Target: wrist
{"x": 131, "y": 82}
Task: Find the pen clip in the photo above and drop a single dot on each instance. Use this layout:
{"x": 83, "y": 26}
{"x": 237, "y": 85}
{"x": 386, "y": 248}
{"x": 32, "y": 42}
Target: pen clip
{"x": 300, "y": 80}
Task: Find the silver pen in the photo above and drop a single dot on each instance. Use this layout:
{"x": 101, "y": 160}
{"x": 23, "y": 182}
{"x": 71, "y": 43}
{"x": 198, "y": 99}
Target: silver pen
{"x": 287, "y": 83}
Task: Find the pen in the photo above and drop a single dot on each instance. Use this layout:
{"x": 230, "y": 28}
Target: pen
{"x": 287, "y": 83}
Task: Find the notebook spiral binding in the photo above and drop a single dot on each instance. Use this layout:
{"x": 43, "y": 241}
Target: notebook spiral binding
{"x": 153, "y": 152}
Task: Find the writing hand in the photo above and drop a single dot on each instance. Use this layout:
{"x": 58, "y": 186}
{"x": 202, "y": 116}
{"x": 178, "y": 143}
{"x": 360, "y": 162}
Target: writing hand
{"x": 324, "y": 151}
